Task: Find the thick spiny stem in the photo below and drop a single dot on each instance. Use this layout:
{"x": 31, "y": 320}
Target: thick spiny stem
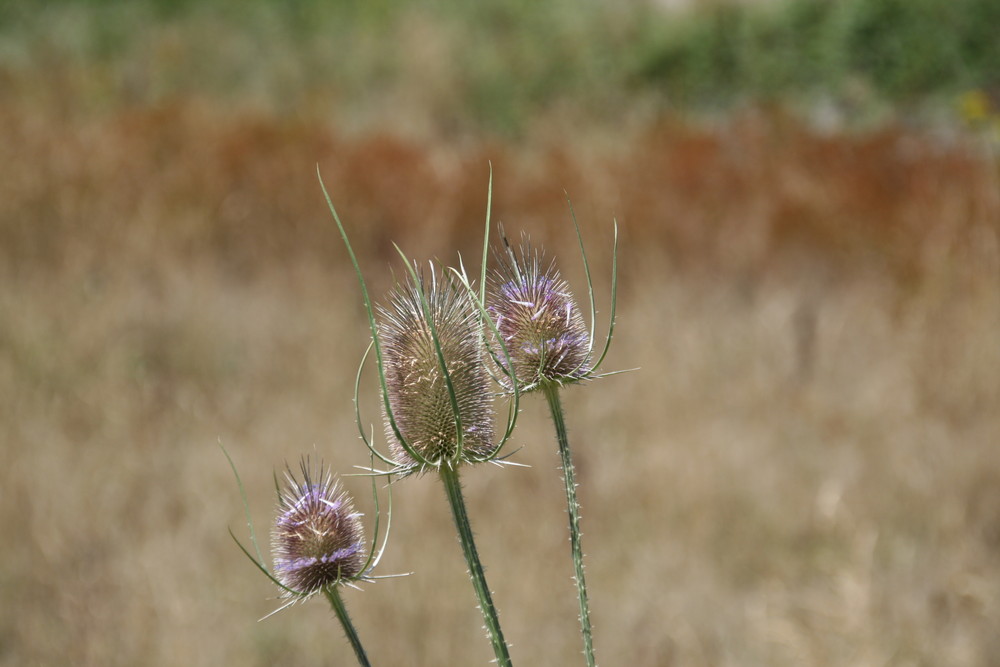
{"x": 552, "y": 394}
{"x": 333, "y": 595}
{"x": 453, "y": 488}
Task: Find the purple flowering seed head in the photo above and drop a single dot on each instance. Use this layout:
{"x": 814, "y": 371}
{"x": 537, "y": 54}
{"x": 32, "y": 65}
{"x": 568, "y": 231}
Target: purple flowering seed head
{"x": 538, "y": 318}
{"x": 317, "y": 539}
{"x": 417, "y": 390}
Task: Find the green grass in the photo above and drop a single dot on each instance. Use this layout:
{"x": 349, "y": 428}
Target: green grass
{"x": 496, "y": 66}
{"x": 900, "y": 50}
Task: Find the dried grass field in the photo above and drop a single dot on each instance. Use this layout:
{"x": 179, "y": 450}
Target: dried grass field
{"x": 804, "y": 469}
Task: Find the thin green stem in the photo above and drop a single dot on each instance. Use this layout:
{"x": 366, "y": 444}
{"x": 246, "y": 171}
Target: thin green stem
{"x": 552, "y": 394}
{"x": 453, "y": 487}
{"x": 333, "y": 595}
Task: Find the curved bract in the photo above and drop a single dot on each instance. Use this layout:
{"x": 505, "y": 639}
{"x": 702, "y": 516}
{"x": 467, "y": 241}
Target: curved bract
{"x": 317, "y": 538}
{"x": 538, "y": 320}
{"x": 430, "y": 355}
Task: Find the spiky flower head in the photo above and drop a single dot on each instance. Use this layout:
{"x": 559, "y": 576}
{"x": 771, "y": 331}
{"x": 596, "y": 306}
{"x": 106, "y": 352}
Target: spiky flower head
{"x": 537, "y": 317}
{"x": 317, "y": 540}
{"x": 443, "y": 417}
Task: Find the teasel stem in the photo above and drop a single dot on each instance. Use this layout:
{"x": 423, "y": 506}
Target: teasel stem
{"x": 551, "y": 390}
{"x": 333, "y": 595}
{"x": 453, "y": 487}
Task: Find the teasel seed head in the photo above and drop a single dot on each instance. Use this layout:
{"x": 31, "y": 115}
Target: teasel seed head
{"x": 535, "y": 313}
{"x": 317, "y": 540}
{"x": 422, "y": 405}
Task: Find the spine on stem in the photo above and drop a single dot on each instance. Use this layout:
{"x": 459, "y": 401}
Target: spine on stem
{"x": 573, "y": 507}
{"x": 333, "y": 595}
{"x": 453, "y": 488}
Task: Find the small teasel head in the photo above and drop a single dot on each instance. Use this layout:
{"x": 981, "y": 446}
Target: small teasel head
{"x": 437, "y": 386}
{"x": 317, "y": 540}
{"x": 543, "y": 332}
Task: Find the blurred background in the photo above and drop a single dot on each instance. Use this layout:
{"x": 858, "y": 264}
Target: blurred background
{"x": 804, "y": 471}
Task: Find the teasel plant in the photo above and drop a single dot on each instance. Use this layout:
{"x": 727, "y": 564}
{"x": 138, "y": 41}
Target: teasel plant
{"x": 436, "y": 395}
{"x": 546, "y": 345}
{"x": 317, "y": 542}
